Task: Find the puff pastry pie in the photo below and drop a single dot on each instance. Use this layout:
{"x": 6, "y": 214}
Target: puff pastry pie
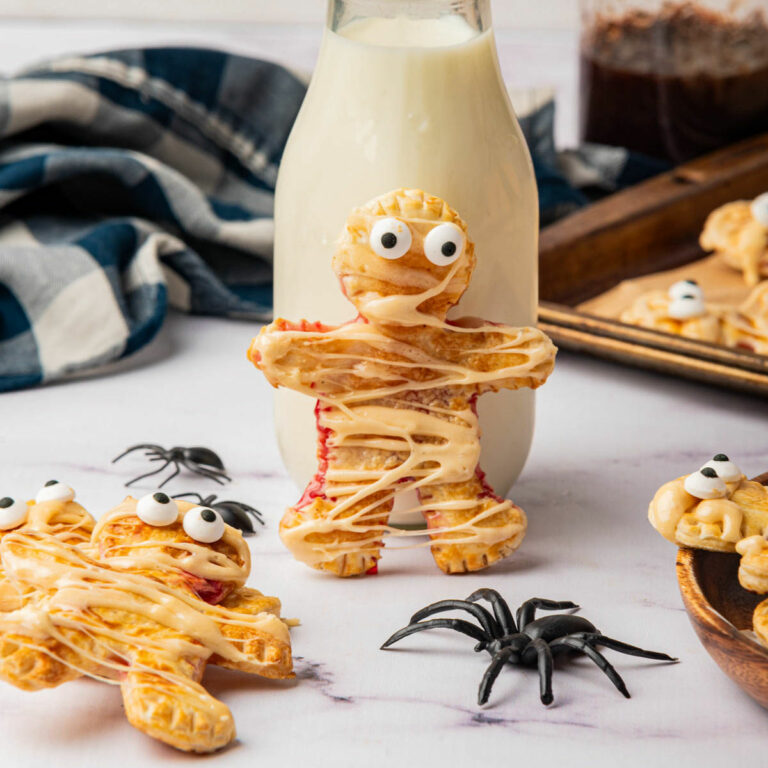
{"x": 396, "y": 393}
{"x": 738, "y": 231}
{"x": 144, "y": 605}
{"x": 717, "y": 508}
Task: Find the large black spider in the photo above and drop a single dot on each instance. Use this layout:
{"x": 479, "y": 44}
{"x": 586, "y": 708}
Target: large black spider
{"x": 524, "y": 640}
{"x": 234, "y": 513}
{"x": 201, "y": 461}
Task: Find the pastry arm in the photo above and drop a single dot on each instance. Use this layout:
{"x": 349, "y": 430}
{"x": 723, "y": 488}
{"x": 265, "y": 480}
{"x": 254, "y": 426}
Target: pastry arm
{"x": 256, "y": 630}
{"x": 503, "y": 357}
{"x": 359, "y": 357}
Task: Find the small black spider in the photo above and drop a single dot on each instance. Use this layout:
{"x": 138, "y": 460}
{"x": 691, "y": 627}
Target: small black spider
{"x": 234, "y": 513}
{"x": 201, "y": 461}
{"x": 533, "y": 644}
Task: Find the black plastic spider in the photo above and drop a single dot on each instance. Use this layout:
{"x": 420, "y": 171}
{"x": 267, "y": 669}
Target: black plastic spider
{"x": 201, "y": 461}
{"x": 524, "y": 640}
{"x": 234, "y": 513}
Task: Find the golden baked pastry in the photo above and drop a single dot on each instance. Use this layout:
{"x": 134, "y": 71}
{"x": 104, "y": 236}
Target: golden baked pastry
{"x": 681, "y": 311}
{"x": 719, "y": 509}
{"x": 746, "y": 327}
{"x": 55, "y": 513}
{"x": 146, "y": 608}
{"x": 713, "y": 508}
{"x": 396, "y": 391}
{"x": 738, "y": 231}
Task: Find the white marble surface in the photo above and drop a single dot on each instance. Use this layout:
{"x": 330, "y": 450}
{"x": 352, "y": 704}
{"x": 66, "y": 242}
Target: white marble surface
{"x": 606, "y": 438}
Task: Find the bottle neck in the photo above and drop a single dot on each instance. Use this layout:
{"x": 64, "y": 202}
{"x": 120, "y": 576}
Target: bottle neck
{"x": 476, "y": 14}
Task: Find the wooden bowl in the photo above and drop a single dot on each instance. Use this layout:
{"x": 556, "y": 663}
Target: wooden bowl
{"x": 719, "y": 608}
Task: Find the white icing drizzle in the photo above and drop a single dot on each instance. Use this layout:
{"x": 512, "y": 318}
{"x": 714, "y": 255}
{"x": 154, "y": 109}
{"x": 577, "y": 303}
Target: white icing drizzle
{"x": 382, "y": 388}
{"x": 72, "y": 587}
{"x": 125, "y": 611}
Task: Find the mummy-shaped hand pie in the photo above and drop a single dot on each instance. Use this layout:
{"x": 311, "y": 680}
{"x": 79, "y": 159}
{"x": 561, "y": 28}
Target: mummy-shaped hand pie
{"x": 717, "y": 508}
{"x": 146, "y": 607}
{"x": 738, "y": 231}
{"x": 54, "y": 512}
{"x": 713, "y": 508}
{"x": 681, "y": 311}
{"x": 746, "y": 327}
{"x": 396, "y": 391}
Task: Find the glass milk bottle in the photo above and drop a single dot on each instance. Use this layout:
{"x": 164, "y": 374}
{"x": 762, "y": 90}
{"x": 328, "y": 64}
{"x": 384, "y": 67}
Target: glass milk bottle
{"x": 408, "y": 93}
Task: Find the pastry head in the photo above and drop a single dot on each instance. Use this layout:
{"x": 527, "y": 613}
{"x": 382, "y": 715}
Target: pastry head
{"x": 712, "y": 508}
{"x": 53, "y": 511}
{"x": 176, "y": 542}
{"x": 403, "y": 257}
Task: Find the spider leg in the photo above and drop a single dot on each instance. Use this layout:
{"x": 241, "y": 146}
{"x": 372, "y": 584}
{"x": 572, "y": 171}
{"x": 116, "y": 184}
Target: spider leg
{"x": 516, "y": 641}
{"x": 491, "y": 673}
{"x": 630, "y": 650}
{"x": 147, "y": 474}
{"x": 172, "y": 475}
{"x": 487, "y": 621}
{"x": 527, "y": 610}
{"x": 500, "y": 608}
{"x": 137, "y": 448}
{"x": 190, "y": 493}
{"x": 458, "y": 624}
{"x": 580, "y": 644}
{"x": 544, "y": 658}
{"x": 204, "y": 471}
{"x": 252, "y": 511}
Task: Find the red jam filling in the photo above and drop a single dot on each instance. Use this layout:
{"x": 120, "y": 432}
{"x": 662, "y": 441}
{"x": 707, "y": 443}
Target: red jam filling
{"x": 208, "y": 590}
{"x": 316, "y": 487}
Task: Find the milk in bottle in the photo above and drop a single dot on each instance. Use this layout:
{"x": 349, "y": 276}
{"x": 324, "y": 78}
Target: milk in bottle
{"x": 408, "y": 94}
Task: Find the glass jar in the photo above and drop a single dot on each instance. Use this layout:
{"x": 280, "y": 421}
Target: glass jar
{"x": 408, "y": 93}
{"x": 673, "y": 78}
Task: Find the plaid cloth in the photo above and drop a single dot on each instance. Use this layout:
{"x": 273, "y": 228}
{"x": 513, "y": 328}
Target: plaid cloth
{"x": 128, "y": 181}
{"x": 135, "y": 180}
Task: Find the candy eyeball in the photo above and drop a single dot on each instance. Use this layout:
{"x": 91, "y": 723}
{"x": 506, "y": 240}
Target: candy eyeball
{"x": 759, "y": 208}
{"x": 12, "y": 513}
{"x": 725, "y": 469}
{"x": 686, "y": 308}
{"x": 444, "y": 244}
{"x": 53, "y": 490}
{"x": 685, "y": 289}
{"x": 687, "y": 300}
{"x": 157, "y": 509}
{"x": 390, "y": 238}
{"x": 204, "y": 524}
{"x": 705, "y": 484}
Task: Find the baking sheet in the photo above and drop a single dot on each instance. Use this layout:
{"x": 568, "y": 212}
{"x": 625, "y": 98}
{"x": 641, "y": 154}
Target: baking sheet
{"x": 721, "y": 285}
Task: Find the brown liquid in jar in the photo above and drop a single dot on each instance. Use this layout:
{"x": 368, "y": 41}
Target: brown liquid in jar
{"x": 674, "y": 84}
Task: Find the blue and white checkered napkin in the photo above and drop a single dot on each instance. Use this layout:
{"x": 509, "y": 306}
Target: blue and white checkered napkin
{"x": 128, "y": 181}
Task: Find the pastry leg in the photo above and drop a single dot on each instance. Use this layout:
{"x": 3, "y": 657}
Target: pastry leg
{"x": 325, "y": 537}
{"x": 487, "y": 528}
{"x": 169, "y": 706}
{"x": 335, "y": 526}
